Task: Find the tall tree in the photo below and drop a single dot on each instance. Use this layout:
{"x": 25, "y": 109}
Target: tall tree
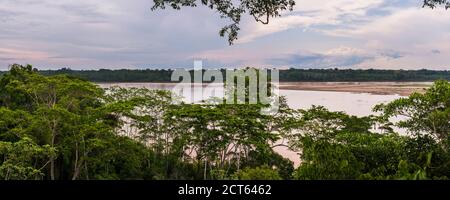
{"x": 423, "y": 114}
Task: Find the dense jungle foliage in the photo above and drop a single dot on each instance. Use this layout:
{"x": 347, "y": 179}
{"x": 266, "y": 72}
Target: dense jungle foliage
{"x": 61, "y": 127}
{"x": 288, "y": 75}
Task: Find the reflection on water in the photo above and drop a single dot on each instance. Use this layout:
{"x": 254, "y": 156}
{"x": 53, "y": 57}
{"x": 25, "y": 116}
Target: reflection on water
{"x": 359, "y": 104}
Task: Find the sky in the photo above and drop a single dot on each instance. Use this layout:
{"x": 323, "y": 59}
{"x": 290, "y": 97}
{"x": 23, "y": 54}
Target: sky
{"x": 113, "y": 34}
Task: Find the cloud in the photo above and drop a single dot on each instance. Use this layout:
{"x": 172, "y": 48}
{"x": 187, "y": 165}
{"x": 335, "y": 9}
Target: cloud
{"x": 435, "y": 51}
{"x": 406, "y": 35}
{"x": 7, "y": 15}
{"x": 342, "y": 57}
{"x": 318, "y": 33}
{"x": 14, "y": 54}
{"x": 309, "y": 13}
{"x": 103, "y": 32}
{"x": 392, "y": 54}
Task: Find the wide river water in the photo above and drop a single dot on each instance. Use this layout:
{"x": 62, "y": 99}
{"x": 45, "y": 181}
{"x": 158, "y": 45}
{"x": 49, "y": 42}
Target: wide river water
{"x": 359, "y": 104}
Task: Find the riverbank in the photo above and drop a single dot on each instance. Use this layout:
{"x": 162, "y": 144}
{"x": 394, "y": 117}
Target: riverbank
{"x": 381, "y": 88}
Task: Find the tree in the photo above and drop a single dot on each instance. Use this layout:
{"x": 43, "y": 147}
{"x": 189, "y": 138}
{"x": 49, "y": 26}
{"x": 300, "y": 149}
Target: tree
{"x": 260, "y": 10}
{"x": 335, "y": 145}
{"x": 21, "y": 159}
{"x": 427, "y": 118}
{"x": 423, "y": 114}
{"x": 63, "y": 112}
{"x": 61, "y": 127}
{"x": 221, "y": 135}
{"x": 434, "y": 3}
{"x": 258, "y": 173}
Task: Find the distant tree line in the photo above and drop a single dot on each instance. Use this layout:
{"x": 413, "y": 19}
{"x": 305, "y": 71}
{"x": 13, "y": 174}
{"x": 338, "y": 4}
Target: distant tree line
{"x": 289, "y": 75}
{"x": 339, "y": 75}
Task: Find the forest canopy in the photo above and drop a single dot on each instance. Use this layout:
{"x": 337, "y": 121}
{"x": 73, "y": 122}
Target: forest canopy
{"x": 59, "y": 127}
{"x": 289, "y": 75}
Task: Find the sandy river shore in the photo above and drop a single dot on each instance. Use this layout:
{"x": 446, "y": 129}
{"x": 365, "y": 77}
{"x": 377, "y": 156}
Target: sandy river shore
{"x": 383, "y": 88}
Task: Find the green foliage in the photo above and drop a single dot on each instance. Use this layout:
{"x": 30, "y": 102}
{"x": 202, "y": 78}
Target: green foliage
{"x": 323, "y": 160}
{"x": 435, "y": 3}
{"x": 289, "y": 75}
{"x": 285, "y": 166}
{"x": 337, "y": 146}
{"x": 62, "y": 112}
{"x": 61, "y": 127}
{"x": 425, "y": 114}
{"x": 19, "y": 159}
{"x": 13, "y": 124}
{"x": 258, "y": 173}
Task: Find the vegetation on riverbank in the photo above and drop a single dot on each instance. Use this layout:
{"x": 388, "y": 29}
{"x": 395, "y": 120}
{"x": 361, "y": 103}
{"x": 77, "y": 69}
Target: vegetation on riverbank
{"x": 288, "y": 75}
{"x": 61, "y": 127}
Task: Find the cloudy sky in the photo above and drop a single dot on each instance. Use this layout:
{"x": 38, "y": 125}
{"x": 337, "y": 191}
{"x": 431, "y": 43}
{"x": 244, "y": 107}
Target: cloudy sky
{"x": 80, "y": 34}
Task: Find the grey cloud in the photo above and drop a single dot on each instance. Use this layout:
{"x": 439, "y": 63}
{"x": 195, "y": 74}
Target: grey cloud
{"x": 316, "y": 60}
{"x": 7, "y": 59}
{"x": 436, "y": 51}
{"x": 130, "y": 33}
{"x": 82, "y": 10}
{"x": 8, "y": 15}
{"x": 297, "y": 59}
{"x": 392, "y": 54}
{"x": 109, "y": 33}
{"x": 189, "y": 64}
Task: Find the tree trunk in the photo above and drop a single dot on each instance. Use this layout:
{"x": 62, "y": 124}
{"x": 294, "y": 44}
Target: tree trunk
{"x": 52, "y": 160}
{"x": 86, "y": 170}
{"x": 204, "y": 171}
{"x": 52, "y": 169}
{"x": 76, "y": 170}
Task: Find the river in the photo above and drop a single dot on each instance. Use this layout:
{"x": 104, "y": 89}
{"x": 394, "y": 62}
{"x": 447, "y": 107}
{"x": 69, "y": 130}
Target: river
{"x": 359, "y": 104}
